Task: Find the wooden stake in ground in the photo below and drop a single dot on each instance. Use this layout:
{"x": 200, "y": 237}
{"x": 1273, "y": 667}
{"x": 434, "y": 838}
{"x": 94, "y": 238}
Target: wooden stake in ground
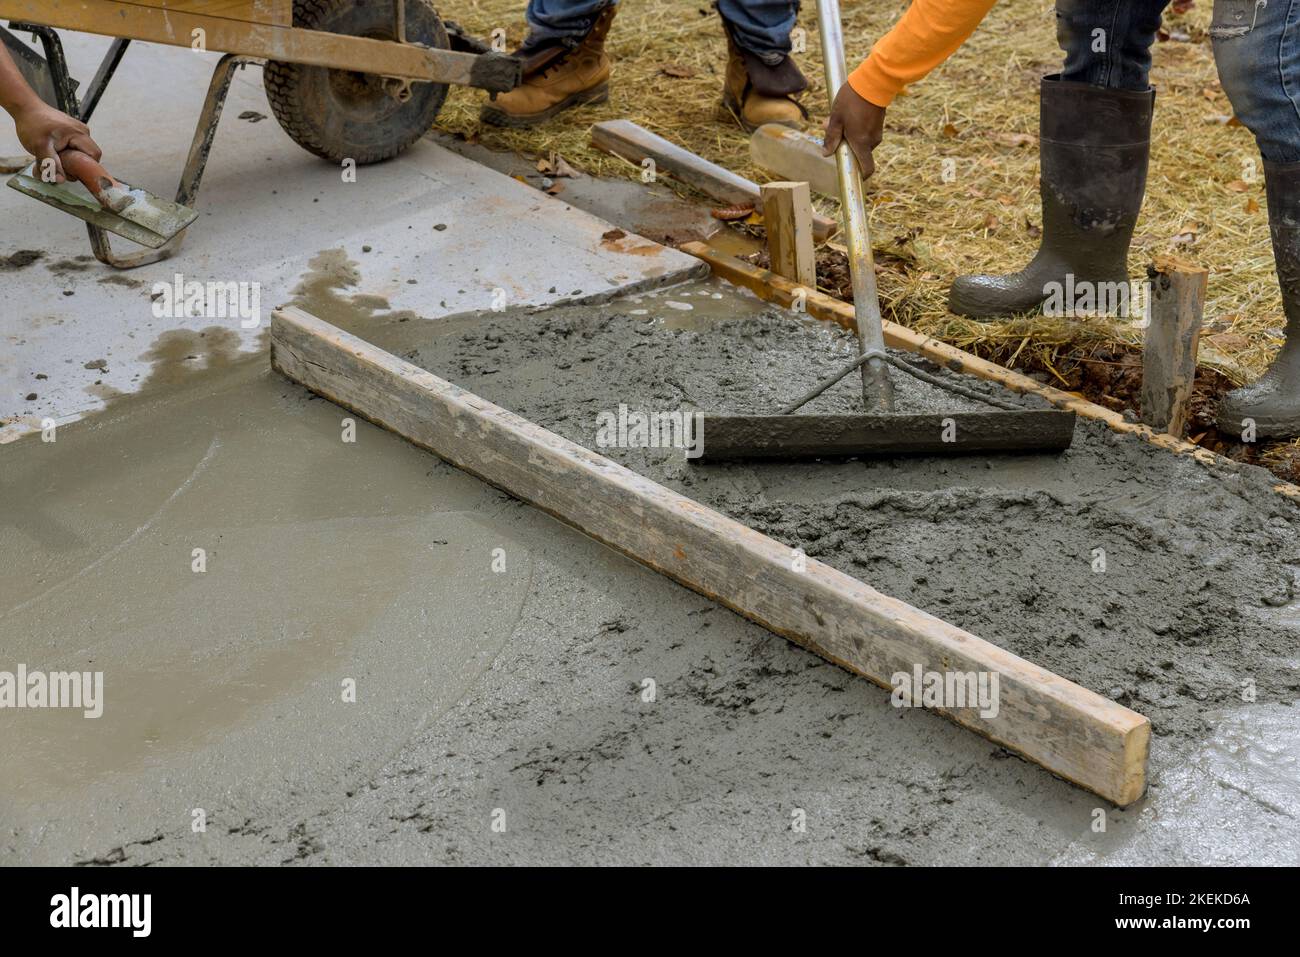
{"x": 1071, "y": 731}
{"x": 787, "y": 217}
{"x": 1177, "y": 302}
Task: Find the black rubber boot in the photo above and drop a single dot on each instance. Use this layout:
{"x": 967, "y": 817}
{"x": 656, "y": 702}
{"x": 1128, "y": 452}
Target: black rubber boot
{"x": 1273, "y": 403}
{"x": 1094, "y": 143}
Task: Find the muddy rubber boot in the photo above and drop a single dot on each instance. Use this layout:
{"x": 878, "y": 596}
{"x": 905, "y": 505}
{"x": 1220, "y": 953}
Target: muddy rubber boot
{"x": 1094, "y": 144}
{"x": 1273, "y": 403}
{"x": 557, "y": 77}
{"x": 755, "y": 92}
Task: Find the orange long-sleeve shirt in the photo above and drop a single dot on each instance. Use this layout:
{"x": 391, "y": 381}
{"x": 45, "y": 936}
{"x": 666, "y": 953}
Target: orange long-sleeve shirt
{"x": 926, "y": 35}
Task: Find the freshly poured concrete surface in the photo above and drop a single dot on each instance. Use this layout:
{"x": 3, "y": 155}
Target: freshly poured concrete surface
{"x": 437, "y": 233}
{"x": 479, "y": 692}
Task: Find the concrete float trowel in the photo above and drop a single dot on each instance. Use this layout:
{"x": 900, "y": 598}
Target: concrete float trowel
{"x": 883, "y": 432}
{"x": 90, "y": 193}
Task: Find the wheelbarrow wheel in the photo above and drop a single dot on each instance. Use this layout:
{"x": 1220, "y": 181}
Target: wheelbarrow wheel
{"x": 342, "y": 114}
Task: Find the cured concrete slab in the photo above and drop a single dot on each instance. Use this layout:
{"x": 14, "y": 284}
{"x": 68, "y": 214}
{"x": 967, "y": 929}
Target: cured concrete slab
{"x": 437, "y": 234}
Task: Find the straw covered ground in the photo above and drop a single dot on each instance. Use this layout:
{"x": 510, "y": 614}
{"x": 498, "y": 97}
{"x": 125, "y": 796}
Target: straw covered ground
{"x": 1205, "y": 195}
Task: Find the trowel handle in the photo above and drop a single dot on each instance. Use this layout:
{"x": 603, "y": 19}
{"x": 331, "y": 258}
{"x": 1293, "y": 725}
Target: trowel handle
{"x": 877, "y": 389}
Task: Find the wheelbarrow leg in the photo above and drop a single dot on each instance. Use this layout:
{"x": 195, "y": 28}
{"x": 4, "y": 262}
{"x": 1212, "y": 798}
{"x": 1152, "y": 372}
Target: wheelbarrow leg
{"x": 205, "y": 132}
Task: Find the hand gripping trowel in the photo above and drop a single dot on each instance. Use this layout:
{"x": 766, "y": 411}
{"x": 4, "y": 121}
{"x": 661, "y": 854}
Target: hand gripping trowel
{"x": 90, "y": 193}
{"x": 1006, "y": 428}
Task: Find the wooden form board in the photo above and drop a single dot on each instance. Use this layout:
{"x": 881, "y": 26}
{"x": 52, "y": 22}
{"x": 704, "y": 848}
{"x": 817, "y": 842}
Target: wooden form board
{"x": 266, "y": 40}
{"x": 1071, "y": 731}
{"x": 773, "y": 288}
{"x": 637, "y": 144}
{"x": 278, "y": 12}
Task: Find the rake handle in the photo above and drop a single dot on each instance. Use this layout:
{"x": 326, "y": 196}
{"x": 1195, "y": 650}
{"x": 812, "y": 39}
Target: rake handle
{"x": 877, "y": 388}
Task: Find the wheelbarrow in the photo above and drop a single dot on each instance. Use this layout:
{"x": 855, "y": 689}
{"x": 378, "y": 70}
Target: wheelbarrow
{"x": 357, "y": 80}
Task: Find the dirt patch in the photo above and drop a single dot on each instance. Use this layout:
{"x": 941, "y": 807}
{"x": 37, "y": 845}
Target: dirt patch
{"x": 1137, "y": 573}
{"x": 20, "y": 260}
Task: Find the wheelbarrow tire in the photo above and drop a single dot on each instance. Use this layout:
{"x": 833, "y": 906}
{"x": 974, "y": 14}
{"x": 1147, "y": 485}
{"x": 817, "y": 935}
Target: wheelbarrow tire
{"x": 343, "y": 115}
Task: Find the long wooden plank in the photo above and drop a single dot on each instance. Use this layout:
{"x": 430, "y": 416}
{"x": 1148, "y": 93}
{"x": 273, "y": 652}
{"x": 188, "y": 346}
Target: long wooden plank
{"x": 221, "y": 34}
{"x": 637, "y": 144}
{"x": 279, "y": 12}
{"x": 773, "y": 288}
{"x": 1069, "y": 730}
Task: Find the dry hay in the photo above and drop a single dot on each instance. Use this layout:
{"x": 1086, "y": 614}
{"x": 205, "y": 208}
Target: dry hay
{"x": 1205, "y": 193}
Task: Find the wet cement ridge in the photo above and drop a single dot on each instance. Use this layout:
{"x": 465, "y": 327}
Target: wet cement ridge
{"x": 1196, "y": 562}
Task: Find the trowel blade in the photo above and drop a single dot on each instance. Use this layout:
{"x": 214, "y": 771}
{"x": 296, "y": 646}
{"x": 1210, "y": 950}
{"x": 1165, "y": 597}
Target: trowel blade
{"x": 729, "y": 437}
{"x": 140, "y": 217}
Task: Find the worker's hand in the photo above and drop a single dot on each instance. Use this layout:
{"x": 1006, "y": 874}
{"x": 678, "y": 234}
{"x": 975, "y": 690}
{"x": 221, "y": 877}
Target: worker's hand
{"x": 44, "y": 131}
{"x": 858, "y": 122}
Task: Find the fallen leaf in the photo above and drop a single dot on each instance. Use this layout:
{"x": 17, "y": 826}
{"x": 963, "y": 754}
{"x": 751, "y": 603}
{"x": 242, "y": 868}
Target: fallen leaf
{"x": 556, "y": 166}
{"x": 729, "y": 214}
{"x": 677, "y": 70}
{"x": 1252, "y": 206}
{"x": 1017, "y": 139}
{"x": 1228, "y": 342}
{"x": 1235, "y": 122}
{"x": 1238, "y": 186}
{"x": 1187, "y": 234}
{"x": 990, "y": 221}
{"x": 949, "y": 131}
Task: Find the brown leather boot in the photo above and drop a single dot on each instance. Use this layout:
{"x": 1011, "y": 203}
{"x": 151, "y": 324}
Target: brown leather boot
{"x": 556, "y": 78}
{"x": 755, "y": 92}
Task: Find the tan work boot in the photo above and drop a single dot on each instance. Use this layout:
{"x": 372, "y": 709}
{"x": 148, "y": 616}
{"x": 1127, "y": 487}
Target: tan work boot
{"x": 557, "y": 78}
{"x": 755, "y": 92}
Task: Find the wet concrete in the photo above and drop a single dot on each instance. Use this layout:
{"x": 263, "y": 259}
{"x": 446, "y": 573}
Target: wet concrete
{"x": 521, "y": 697}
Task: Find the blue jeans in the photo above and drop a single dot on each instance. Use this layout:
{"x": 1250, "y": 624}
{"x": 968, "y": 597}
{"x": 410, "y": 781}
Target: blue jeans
{"x": 1256, "y": 48}
{"x": 1257, "y": 51}
{"x": 761, "y": 26}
